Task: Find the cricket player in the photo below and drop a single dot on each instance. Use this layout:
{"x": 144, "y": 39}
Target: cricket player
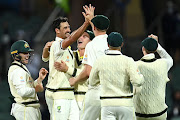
{"x": 94, "y": 49}
{"x": 115, "y": 71}
{"x": 59, "y": 94}
{"x": 150, "y": 102}
{"x": 82, "y": 87}
{"x": 22, "y": 86}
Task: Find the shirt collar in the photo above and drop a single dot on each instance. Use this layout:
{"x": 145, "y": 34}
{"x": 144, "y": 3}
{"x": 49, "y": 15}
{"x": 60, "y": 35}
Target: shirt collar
{"x": 58, "y": 39}
{"x": 113, "y": 52}
{"x": 148, "y": 56}
{"x": 19, "y": 63}
{"x": 99, "y": 37}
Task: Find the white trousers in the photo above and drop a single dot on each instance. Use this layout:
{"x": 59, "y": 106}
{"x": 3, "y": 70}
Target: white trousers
{"x": 118, "y": 113}
{"x": 91, "y": 105}
{"x": 62, "y": 109}
{"x": 21, "y": 112}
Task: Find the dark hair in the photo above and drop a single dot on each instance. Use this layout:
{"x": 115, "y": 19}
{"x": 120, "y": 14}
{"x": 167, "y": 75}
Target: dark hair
{"x": 57, "y": 21}
{"x": 105, "y": 30}
{"x": 148, "y": 52}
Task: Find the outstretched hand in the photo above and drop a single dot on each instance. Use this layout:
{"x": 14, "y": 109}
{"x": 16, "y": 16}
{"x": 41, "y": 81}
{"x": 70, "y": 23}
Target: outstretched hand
{"x": 89, "y": 12}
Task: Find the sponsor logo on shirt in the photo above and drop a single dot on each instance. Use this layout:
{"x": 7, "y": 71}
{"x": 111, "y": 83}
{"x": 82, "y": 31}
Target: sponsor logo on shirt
{"x": 30, "y": 80}
{"x": 67, "y": 60}
{"x": 58, "y": 108}
{"x": 138, "y": 71}
{"x": 22, "y": 80}
{"x": 85, "y": 59}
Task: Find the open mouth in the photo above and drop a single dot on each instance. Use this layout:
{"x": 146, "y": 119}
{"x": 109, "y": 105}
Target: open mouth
{"x": 67, "y": 34}
{"x": 80, "y": 42}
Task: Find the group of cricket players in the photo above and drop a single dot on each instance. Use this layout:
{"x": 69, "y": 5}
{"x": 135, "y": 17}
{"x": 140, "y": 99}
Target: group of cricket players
{"x": 94, "y": 81}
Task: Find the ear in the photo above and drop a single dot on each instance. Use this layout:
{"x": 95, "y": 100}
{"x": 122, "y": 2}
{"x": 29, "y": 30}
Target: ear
{"x": 122, "y": 44}
{"x": 143, "y": 49}
{"x": 94, "y": 28}
{"x": 57, "y": 30}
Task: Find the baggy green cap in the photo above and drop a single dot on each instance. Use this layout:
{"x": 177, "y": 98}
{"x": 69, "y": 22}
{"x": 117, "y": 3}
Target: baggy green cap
{"x": 150, "y": 44}
{"x": 91, "y": 34}
{"x": 20, "y": 46}
{"x": 115, "y": 39}
{"x": 101, "y": 22}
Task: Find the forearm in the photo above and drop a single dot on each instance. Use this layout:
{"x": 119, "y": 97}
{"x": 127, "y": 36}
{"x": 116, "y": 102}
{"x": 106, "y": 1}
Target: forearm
{"x": 73, "y": 37}
{"x": 45, "y": 53}
{"x": 38, "y": 85}
{"x": 163, "y": 54}
{"x": 82, "y": 76}
{"x": 25, "y": 91}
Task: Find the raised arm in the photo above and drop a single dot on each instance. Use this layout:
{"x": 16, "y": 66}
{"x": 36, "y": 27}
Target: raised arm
{"x": 45, "y": 54}
{"x": 162, "y": 53}
{"x": 74, "y": 36}
{"x": 38, "y": 83}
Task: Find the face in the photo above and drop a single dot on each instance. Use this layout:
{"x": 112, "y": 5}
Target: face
{"x": 24, "y": 57}
{"x": 83, "y": 40}
{"x": 64, "y": 30}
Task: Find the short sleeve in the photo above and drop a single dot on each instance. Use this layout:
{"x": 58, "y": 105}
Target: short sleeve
{"x": 57, "y": 48}
{"x": 89, "y": 56}
{"x": 45, "y": 59}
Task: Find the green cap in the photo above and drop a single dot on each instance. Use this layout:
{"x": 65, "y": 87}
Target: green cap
{"x": 150, "y": 44}
{"x": 101, "y": 22}
{"x": 115, "y": 39}
{"x": 91, "y": 34}
{"x": 20, "y": 46}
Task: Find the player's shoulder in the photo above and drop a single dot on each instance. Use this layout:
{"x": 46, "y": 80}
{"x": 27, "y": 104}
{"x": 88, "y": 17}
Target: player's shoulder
{"x": 89, "y": 43}
{"x": 16, "y": 69}
{"x": 127, "y": 58}
{"x": 89, "y": 46}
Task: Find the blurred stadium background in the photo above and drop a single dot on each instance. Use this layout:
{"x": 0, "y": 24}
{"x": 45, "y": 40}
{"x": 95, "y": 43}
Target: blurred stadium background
{"x": 134, "y": 19}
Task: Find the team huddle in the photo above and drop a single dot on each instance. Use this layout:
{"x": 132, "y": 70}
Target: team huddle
{"x": 94, "y": 81}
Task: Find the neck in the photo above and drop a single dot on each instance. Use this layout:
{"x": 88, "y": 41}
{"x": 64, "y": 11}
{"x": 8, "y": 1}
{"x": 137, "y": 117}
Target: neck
{"x": 144, "y": 52}
{"x": 97, "y": 33}
{"x": 57, "y": 35}
{"x": 114, "y": 48}
{"x": 81, "y": 52}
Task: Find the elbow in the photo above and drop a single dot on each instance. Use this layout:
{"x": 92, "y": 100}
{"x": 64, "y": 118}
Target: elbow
{"x": 172, "y": 62}
{"x": 23, "y": 93}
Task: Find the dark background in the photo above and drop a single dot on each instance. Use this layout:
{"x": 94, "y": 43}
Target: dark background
{"x": 31, "y": 20}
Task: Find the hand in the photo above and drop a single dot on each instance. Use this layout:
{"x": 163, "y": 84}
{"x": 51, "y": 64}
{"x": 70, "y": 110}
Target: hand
{"x": 89, "y": 12}
{"x": 72, "y": 81}
{"x": 62, "y": 67}
{"x": 42, "y": 74}
{"x": 153, "y": 36}
{"x": 48, "y": 45}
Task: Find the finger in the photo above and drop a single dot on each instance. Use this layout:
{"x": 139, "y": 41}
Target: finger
{"x": 90, "y": 6}
{"x": 45, "y": 71}
{"x": 62, "y": 61}
{"x": 85, "y": 9}
{"x": 84, "y": 14}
